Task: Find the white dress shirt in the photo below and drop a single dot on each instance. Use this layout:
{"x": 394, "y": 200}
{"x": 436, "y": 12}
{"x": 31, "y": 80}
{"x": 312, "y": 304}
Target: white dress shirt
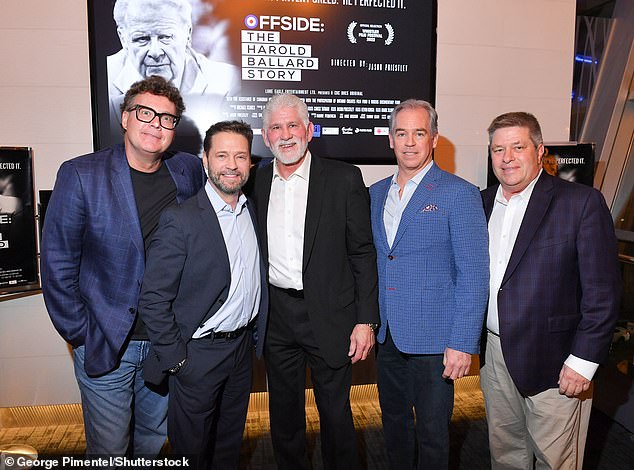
{"x": 395, "y": 204}
{"x": 285, "y": 226}
{"x": 243, "y": 301}
{"x": 504, "y": 225}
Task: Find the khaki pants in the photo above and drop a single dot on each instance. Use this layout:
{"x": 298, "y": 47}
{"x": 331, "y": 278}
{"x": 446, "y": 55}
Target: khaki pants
{"x": 547, "y": 428}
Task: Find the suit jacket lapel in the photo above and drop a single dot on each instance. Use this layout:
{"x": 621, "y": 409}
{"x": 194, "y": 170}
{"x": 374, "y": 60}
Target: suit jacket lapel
{"x": 124, "y": 196}
{"x": 177, "y": 170}
{"x": 488, "y": 199}
{"x": 210, "y": 225}
{"x": 537, "y": 208}
{"x": 420, "y": 197}
{"x": 316, "y": 189}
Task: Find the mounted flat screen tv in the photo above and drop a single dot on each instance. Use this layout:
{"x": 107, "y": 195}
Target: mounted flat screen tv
{"x": 352, "y": 61}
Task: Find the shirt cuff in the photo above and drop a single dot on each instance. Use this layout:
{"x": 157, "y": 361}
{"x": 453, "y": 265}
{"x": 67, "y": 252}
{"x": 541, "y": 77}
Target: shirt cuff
{"x": 581, "y": 366}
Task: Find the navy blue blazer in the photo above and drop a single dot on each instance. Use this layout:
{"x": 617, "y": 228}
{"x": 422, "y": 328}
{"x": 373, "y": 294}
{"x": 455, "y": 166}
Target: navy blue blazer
{"x": 560, "y": 294}
{"x": 187, "y": 280}
{"x": 434, "y": 281}
{"x": 92, "y": 256}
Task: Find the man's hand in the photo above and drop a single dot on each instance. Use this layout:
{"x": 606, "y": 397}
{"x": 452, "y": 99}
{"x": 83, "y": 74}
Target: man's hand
{"x": 571, "y": 383}
{"x": 457, "y": 364}
{"x": 361, "y": 342}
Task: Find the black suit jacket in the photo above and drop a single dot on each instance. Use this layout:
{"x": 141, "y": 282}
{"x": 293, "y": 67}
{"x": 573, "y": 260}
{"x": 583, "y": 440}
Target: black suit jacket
{"x": 187, "y": 279}
{"x": 560, "y": 293}
{"x": 339, "y": 259}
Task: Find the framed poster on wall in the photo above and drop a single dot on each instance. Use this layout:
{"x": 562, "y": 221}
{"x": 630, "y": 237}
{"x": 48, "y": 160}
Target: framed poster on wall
{"x": 352, "y": 61}
{"x": 570, "y": 161}
{"x": 18, "y": 248}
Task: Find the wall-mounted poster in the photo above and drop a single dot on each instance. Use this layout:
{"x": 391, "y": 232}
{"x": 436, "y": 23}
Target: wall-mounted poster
{"x": 352, "y": 61}
{"x": 570, "y": 161}
{"x": 18, "y": 249}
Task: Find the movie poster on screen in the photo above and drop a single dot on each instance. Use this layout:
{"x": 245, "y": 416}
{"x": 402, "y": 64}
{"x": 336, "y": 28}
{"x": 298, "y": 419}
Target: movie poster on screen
{"x": 570, "y": 161}
{"x": 18, "y": 250}
{"x": 352, "y": 61}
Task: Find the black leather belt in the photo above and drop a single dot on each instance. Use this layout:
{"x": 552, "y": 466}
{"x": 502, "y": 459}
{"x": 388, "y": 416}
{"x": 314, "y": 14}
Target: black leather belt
{"x": 296, "y": 294}
{"x": 225, "y": 334}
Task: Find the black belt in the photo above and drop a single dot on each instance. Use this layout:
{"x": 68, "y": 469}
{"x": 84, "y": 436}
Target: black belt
{"x": 225, "y": 334}
{"x": 296, "y": 294}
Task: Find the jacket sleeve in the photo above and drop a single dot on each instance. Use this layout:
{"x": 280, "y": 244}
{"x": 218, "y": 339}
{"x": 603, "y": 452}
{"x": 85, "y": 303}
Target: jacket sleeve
{"x": 597, "y": 259}
{"x": 469, "y": 240}
{"x": 61, "y": 256}
{"x": 361, "y": 251}
{"x": 164, "y": 267}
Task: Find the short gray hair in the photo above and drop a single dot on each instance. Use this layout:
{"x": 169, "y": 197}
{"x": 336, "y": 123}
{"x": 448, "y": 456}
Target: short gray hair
{"x": 284, "y": 100}
{"x": 183, "y": 7}
{"x": 416, "y": 104}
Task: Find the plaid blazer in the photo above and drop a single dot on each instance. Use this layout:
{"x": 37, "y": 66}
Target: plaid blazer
{"x": 92, "y": 255}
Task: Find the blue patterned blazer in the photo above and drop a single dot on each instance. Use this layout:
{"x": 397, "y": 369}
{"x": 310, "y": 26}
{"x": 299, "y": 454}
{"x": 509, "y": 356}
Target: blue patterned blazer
{"x": 434, "y": 281}
{"x": 93, "y": 258}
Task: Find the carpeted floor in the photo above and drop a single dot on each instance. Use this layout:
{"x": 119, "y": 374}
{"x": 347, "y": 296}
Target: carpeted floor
{"x": 610, "y": 446}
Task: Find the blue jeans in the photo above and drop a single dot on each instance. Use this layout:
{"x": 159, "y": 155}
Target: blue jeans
{"x": 122, "y": 416}
{"x": 416, "y": 404}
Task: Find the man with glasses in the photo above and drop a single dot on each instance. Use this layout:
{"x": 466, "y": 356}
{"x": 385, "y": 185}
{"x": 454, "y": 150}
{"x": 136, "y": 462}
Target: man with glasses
{"x": 104, "y": 208}
{"x": 156, "y": 39}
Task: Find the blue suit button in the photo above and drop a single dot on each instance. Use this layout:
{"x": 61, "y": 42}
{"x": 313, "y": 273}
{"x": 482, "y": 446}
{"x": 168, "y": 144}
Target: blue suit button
{"x": 390, "y": 257}
{"x": 132, "y": 310}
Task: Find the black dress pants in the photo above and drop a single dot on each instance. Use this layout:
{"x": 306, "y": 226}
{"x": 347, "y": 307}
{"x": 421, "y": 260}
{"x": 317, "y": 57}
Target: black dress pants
{"x": 208, "y": 401}
{"x": 290, "y": 346}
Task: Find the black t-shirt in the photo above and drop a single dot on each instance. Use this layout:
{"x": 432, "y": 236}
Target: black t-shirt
{"x": 153, "y": 192}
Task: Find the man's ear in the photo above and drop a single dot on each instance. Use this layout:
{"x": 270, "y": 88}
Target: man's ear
{"x": 540, "y": 153}
{"x": 265, "y": 138}
{"x": 310, "y": 131}
{"x": 122, "y": 37}
{"x": 124, "y": 119}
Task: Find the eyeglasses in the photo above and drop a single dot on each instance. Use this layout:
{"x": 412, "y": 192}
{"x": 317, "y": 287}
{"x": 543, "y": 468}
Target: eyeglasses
{"x": 146, "y": 114}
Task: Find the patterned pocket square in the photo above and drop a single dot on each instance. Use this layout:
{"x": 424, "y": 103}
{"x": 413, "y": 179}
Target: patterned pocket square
{"x": 430, "y": 208}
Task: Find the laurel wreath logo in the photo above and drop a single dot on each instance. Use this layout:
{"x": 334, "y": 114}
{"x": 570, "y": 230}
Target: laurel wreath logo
{"x": 351, "y": 37}
{"x": 390, "y": 34}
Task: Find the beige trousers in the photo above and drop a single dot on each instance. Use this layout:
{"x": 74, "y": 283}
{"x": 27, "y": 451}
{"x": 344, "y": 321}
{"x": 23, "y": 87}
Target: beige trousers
{"x": 547, "y": 430}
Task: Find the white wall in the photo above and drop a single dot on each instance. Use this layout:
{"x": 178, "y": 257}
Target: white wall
{"x": 493, "y": 56}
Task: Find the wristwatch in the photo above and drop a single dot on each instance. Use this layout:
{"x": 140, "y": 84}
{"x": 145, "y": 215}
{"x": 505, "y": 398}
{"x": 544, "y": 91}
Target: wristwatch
{"x": 373, "y": 326}
{"x": 177, "y": 367}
